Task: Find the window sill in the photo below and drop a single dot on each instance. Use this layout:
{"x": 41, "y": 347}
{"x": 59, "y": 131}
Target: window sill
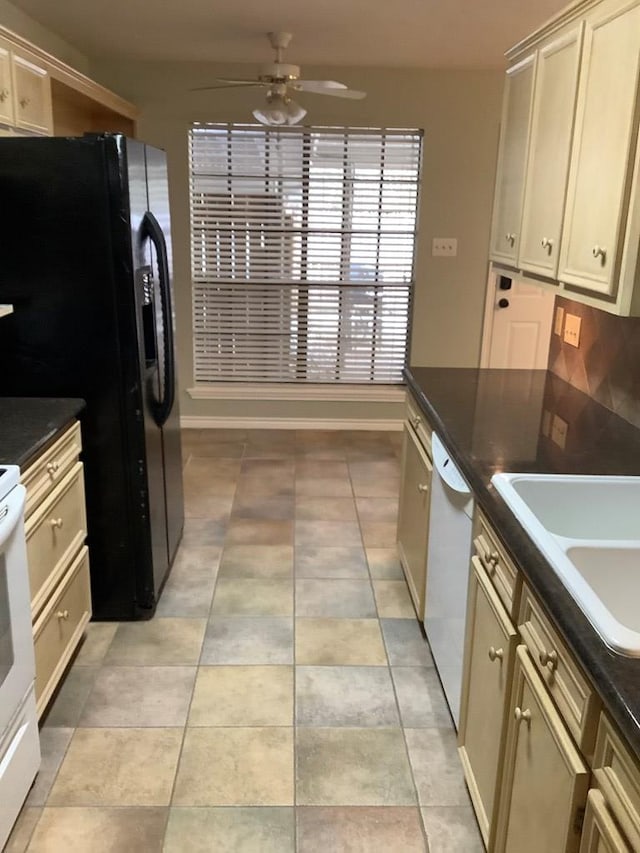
{"x": 323, "y": 393}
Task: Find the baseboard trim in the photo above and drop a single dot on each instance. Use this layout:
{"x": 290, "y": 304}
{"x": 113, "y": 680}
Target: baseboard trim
{"x": 209, "y": 422}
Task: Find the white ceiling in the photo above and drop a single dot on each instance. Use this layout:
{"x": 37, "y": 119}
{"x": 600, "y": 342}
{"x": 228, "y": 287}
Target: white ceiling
{"x": 409, "y": 33}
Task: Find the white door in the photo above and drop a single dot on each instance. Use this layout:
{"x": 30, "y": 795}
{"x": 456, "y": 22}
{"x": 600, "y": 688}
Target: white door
{"x": 517, "y": 324}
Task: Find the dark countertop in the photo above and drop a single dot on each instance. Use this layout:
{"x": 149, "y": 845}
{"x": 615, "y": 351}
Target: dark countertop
{"x": 498, "y": 420}
{"x": 28, "y": 424}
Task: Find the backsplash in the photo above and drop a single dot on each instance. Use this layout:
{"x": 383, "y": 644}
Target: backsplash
{"x": 606, "y": 364}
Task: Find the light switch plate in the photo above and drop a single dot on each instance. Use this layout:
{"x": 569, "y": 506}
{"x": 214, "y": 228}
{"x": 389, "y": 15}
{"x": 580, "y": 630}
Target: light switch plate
{"x": 445, "y": 247}
{"x": 572, "y": 325}
{"x": 558, "y": 321}
{"x": 546, "y": 423}
{"x": 559, "y": 430}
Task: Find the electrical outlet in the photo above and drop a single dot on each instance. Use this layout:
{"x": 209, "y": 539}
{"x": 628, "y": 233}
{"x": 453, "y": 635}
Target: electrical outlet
{"x": 572, "y": 325}
{"x": 559, "y": 429}
{"x": 559, "y": 320}
{"x": 446, "y": 247}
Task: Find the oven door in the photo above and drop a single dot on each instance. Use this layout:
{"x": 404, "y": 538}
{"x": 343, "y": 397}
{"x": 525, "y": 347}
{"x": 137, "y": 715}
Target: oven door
{"x": 17, "y": 667}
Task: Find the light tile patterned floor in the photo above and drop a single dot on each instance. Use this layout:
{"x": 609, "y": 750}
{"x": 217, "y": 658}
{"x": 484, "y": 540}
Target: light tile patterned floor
{"x": 283, "y": 699}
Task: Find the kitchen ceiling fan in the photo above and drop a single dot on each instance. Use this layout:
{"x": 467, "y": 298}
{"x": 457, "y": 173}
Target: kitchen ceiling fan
{"x": 280, "y": 79}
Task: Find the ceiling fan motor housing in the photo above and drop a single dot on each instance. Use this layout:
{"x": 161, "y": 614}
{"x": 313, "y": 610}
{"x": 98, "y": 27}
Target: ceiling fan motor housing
{"x": 279, "y": 71}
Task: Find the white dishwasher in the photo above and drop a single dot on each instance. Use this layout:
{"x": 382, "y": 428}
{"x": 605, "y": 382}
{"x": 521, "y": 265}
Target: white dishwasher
{"x": 448, "y": 555}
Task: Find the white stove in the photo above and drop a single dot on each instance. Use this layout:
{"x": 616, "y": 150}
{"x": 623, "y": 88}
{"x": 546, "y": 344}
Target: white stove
{"x": 19, "y": 742}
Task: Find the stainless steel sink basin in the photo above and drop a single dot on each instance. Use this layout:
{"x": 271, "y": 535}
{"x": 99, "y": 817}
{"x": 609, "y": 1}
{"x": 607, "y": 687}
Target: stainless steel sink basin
{"x": 588, "y": 528}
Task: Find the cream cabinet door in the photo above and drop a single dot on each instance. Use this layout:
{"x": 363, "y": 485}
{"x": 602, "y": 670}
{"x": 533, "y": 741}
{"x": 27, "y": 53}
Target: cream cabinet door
{"x": 6, "y": 86}
{"x": 548, "y": 163}
{"x": 545, "y": 780}
{"x": 600, "y": 833}
{"x": 490, "y": 645}
{"x": 512, "y": 160}
{"x": 32, "y": 87}
{"x": 603, "y": 148}
{"x": 413, "y": 518}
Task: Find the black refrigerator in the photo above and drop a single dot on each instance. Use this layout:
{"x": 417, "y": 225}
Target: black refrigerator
{"x": 86, "y": 263}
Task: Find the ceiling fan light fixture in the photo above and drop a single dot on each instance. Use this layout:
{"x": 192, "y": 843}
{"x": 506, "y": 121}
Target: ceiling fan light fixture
{"x": 279, "y": 110}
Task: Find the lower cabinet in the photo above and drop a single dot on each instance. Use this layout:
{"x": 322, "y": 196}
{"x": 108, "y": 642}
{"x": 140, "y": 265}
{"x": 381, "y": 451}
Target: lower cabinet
{"x": 489, "y": 657}
{"x": 55, "y": 528}
{"x": 413, "y": 517}
{"x": 600, "y": 833}
{"x": 533, "y": 733}
{"x": 545, "y": 779}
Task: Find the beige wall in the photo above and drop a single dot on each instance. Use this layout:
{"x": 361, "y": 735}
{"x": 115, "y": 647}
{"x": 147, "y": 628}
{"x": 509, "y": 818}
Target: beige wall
{"x": 19, "y": 22}
{"x": 459, "y": 112}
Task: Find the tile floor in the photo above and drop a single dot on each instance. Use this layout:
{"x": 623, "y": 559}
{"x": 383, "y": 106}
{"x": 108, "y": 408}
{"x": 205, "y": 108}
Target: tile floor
{"x": 283, "y": 699}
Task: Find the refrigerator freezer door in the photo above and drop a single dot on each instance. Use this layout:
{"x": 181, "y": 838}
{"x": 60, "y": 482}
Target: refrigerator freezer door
{"x": 158, "y": 201}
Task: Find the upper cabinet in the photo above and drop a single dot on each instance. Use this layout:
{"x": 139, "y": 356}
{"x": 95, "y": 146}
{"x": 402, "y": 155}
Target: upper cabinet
{"x": 32, "y": 89}
{"x": 41, "y": 95}
{"x": 25, "y": 92}
{"x": 578, "y": 223}
{"x": 512, "y": 160}
{"x": 6, "y": 86}
{"x": 548, "y": 162}
{"x": 604, "y": 151}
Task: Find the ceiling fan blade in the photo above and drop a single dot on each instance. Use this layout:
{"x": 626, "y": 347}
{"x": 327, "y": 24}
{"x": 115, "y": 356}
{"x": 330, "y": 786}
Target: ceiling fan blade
{"x": 326, "y": 87}
{"x": 231, "y": 84}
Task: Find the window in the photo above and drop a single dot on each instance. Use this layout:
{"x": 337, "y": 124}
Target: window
{"x": 302, "y": 250}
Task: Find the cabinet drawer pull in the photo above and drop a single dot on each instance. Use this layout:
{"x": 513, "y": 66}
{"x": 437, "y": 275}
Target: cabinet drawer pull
{"x": 52, "y": 467}
{"x": 549, "y": 659}
{"x": 56, "y": 522}
{"x": 4, "y": 94}
{"x": 521, "y": 716}
{"x": 599, "y": 252}
{"x": 491, "y": 558}
{"x": 495, "y": 654}
{"x": 510, "y": 238}
{"x": 416, "y": 421}
{"x": 63, "y": 615}
{"x": 423, "y": 487}
{"x": 547, "y": 243}
{"x": 24, "y": 102}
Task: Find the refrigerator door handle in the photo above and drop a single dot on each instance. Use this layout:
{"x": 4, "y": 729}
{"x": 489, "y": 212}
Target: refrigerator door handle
{"x": 150, "y": 228}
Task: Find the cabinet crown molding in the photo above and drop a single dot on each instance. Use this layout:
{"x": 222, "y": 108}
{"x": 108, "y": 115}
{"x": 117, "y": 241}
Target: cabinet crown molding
{"x": 565, "y": 16}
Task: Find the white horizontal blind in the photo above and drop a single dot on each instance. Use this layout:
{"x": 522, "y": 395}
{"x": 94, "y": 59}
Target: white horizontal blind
{"x": 302, "y": 248}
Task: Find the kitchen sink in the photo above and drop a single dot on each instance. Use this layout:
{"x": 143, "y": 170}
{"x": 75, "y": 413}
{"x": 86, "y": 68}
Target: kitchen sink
{"x": 588, "y": 528}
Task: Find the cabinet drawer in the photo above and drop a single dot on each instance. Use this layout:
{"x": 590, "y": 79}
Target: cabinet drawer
{"x": 499, "y": 567}
{"x": 618, "y": 775}
{"x": 599, "y": 832}
{"x": 578, "y": 703}
{"x": 41, "y": 477}
{"x": 419, "y": 424}
{"x": 60, "y": 626}
{"x": 55, "y": 532}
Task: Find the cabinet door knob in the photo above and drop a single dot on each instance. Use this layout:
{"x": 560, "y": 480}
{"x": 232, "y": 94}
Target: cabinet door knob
{"x": 24, "y": 102}
{"x": 63, "y": 615}
{"x": 492, "y": 558}
{"x": 52, "y": 467}
{"x": 547, "y": 243}
{"x": 423, "y": 487}
{"x": 599, "y": 252}
{"x": 416, "y": 421}
{"x": 522, "y": 716}
{"x": 4, "y": 94}
{"x": 495, "y": 654}
{"x": 57, "y": 522}
{"x": 510, "y": 237}
{"x": 549, "y": 659}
